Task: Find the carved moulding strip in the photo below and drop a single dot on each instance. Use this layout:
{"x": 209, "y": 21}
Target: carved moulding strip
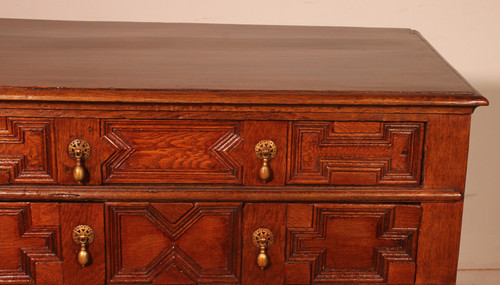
{"x": 26, "y": 151}
{"x": 175, "y": 253}
{"x": 227, "y": 193}
{"x": 35, "y": 244}
{"x": 386, "y": 153}
{"x": 356, "y": 243}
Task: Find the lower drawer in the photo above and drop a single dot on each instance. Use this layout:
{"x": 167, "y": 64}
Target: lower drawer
{"x": 190, "y": 243}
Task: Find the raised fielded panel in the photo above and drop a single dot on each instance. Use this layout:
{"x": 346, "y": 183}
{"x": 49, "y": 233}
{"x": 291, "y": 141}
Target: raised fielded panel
{"x": 173, "y": 243}
{"x": 162, "y": 151}
{"x": 355, "y": 153}
{"x": 27, "y": 150}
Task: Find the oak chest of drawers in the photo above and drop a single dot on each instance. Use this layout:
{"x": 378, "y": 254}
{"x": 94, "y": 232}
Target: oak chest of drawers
{"x": 141, "y": 153}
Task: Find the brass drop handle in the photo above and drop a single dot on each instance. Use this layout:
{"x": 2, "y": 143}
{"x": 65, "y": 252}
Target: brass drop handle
{"x": 83, "y": 235}
{"x": 265, "y": 150}
{"x": 79, "y": 150}
{"x": 262, "y": 238}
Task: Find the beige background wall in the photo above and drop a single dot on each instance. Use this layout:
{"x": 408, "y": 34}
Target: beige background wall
{"x": 466, "y": 33}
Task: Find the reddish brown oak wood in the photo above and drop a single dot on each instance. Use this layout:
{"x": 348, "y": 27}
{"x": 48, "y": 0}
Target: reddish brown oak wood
{"x": 256, "y": 131}
{"x": 27, "y": 150}
{"x": 86, "y": 129}
{"x": 371, "y": 125}
{"x": 362, "y": 243}
{"x": 30, "y": 244}
{"x": 355, "y": 153}
{"x": 172, "y": 151}
{"x": 72, "y": 215}
{"x": 439, "y": 243}
{"x": 179, "y": 193}
{"x": 271, "y": 217}
{"x": 381, "y": 63}
{"x": 447, "y": 145}
{"x": 165, "y": 243}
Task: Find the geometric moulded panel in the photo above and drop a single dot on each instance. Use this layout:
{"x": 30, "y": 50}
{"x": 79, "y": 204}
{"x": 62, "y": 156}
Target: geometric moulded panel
{"x": 345, "y": 243}
{"x": 173, "y": 243}
{"x": 164, "y": 151}
{"x": 356, "y": 153}
{"x": 26, "y": 242}
{"x": 26, "y": 150}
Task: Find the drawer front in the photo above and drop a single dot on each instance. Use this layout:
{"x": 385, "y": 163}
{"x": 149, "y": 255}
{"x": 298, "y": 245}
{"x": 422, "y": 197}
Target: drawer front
{"x": 164, "y": 151}
{"x": 343, "y": 243}
{"x": 27, "y": 150}
{"x": 355, "y": 153}
{"x": 173, "y": 243}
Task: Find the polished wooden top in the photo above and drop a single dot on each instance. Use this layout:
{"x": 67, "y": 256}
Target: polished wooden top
{"x": 211, "y": 63}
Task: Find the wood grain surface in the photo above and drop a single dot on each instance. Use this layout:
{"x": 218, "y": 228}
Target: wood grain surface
{"x": 30, "y": 244}
{"x": 72, "y": 215}
{"x": 27, "y": 152}
{"x": 222, "y": 63}
{"x": 344, "y": 243}
{"x": 271, "y": 216}
{"x": 355, "y": 153}
{"x": 169, "y": 151}
{"x": 167, "y": 243}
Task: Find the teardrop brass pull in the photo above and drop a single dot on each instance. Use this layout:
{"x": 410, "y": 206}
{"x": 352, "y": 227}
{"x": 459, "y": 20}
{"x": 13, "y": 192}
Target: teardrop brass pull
{"x": 79, "y": 150}
{"x": 265, "y": 150}
{"x": 83, "y": 235}
{"x": 262, "y": 238}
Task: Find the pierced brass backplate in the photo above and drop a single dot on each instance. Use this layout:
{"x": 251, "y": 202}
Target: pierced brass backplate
{"x": 262, "y": 238}
{"x": 79, "y": 149}
{"x": 266, "y": 149}
{"x": 83, "y": 235}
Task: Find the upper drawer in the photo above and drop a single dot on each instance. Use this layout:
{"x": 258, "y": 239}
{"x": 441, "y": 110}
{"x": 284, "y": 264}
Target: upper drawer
{"x": 355, "y": 153}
